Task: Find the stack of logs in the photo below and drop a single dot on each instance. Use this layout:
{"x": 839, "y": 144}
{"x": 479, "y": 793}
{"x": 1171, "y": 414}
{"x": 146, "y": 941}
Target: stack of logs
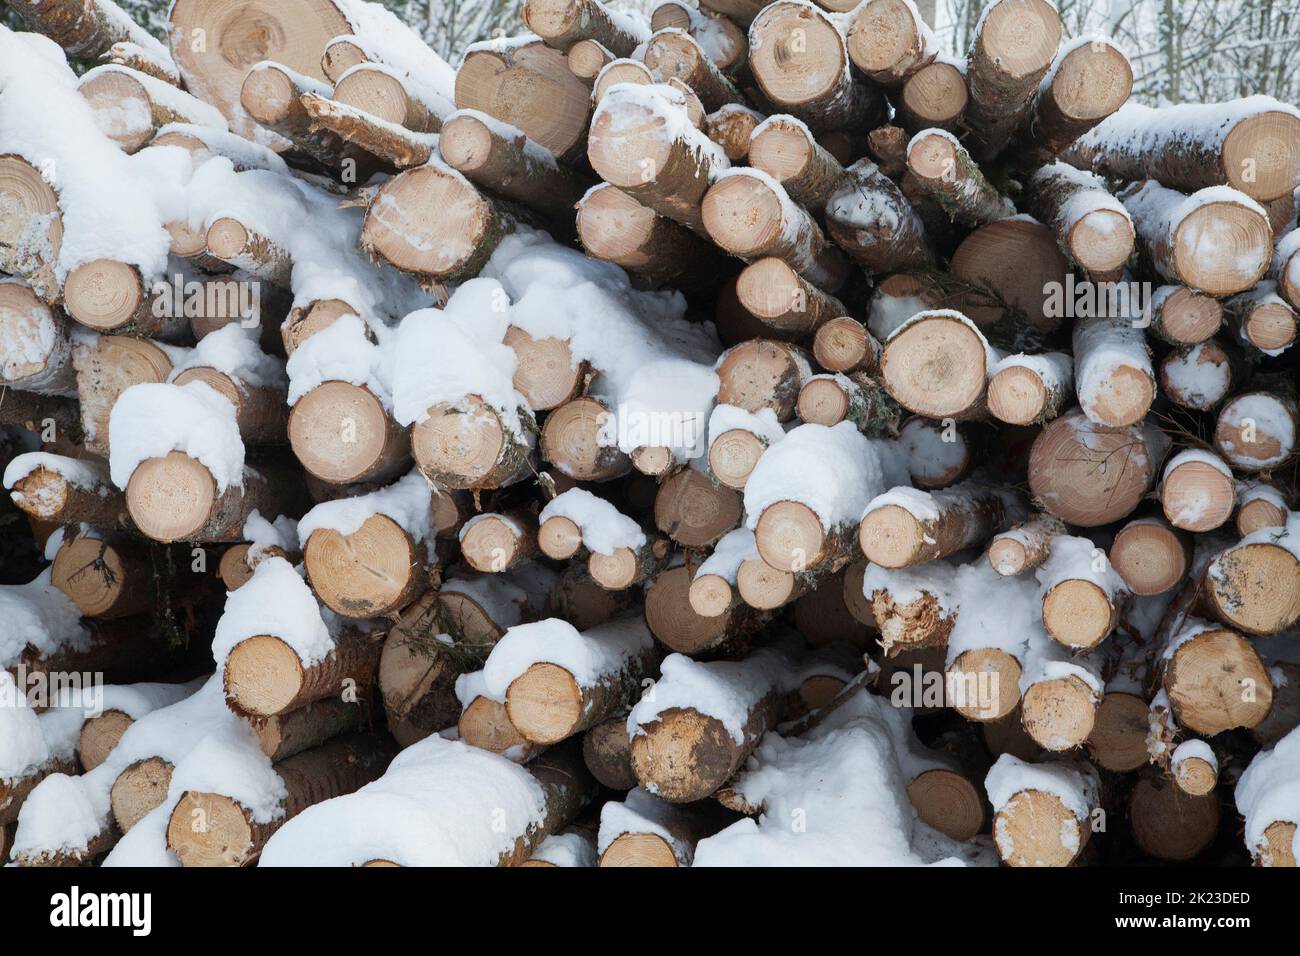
{"x": 1004, "y": 399}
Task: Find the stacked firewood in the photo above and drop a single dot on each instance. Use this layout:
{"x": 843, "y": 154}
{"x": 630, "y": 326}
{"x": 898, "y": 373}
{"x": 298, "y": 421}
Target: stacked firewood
{"x": 745, "y": 437}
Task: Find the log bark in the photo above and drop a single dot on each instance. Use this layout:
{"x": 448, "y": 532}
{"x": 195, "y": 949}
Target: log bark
{"x": 48, "y": 494}
{"x": 562, "y": 23}
{"x": 949, "y": 176}
{"x": 468, "y": 446}
{"x": 876, "y": 224}
{"x": 366, "y": 143}
{"x": 672, "y": 53}
{"x": 31, "y": 227}
{"x": 607, "y": 752}
{"x": 902, "y": 532}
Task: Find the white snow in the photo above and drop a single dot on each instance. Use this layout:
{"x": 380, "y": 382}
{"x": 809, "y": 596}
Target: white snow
{"x": 153, "y": 419}
{"x": 233, "y": 351}
{"x": 593, "y": 656}
{"x": 604, "y": 528}
{"x": 1076, "y": 785}
{"x": 275, "y": 601}
{"x": 732, "y": 550}
{"x": 86, "y": 474}
{"x": 1269, "y": 791}
{"x": 40, "y": 615}
{"x": 408, "y": 502}
{"x": 22, "y": 745}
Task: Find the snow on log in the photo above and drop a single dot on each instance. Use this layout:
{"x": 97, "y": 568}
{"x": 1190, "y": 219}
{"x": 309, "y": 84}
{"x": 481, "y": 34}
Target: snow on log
{"x": 562, "y": 23}
{"x": 799, "y": 59}
{"x": 1260, "y": 506}
{"x": 367, "y": 556}
{"x": 130, "y": 107}
{"x": 672, "y": 53}
{"x": 440, "y": 803}
{"x": 1195, "y": 768}
{"x": 364, "y": 141}
{"x": 831, "y": 399}
{"x": 889, "y": 41}
{"x": 642, "y": 830}
{"x": 35, "y": 343}
{"x": 937, "y": 364}
{"x": 1092, "y": 227}
{"x": 1248, "y": 144}
{"x": 725, "y": 42}
{"x": 732, "y": 127}
{"x": 1262, "y": 320}
{"x": 1043, "y": 812}
{"x": 1088, "y": 81}
{"x": 64, "y": 490}
{"x": 1025, "y": 546}
{"x": 1015, "y": 44}
{"x": 1214, "y": 678}
{"x": 785, "y": 149}
{"x": 875, "y": 223}
{"x": 906, "y": 526}
{"x": 1266, "y": 796}
{"x": 1113, "y": 376}
{"x": 643, "y": 142}
{"x": 1286, "y": 267}
{"x": 230, "y": 363}
{"x": 1030, "y": 389}
{"x": 1197, "y": 491}
{"x": 1082, "y": 593}
{"x": 1199, "y": 376}
{"x": 704, "y": 721}
{"x": 915, "y": 608}
{"x": 558, "y": 682}
{"x": 1250, "y": 585}
{"x": 1216, "y": 240}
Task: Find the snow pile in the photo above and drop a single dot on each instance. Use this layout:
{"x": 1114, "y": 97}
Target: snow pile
{"x": 1078, "y": 559}
{"x": 1269, "y": 792}
{"x": 997, "y": 612}
{"x": 233, "y": 351}
{"x": 408, "y": 502}
{"x": 592, "y": 657}
{"x": 22, "y": 744}
{"x": 641, "y": 812}
{"x": 731, "y": 551}
{"x": 85, "y": 474}
{"x": 39, "y": 615}
{"x": 263, "y": 535}
{"x": 275, "y": 601}
{"x": 440, "y": 803}
{"x": 566, "y": 849}
{"x": 850, "y": 471}
{"x": 604, "y": 528}
{"x": 762, "y": 424}
{"x": 152, "y": 419}
{"x": 348, "y": 350}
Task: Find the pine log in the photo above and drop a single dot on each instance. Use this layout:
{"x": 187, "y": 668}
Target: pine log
{"x": 562, "y": 23}
{"x": 468, "y": 445}
{"x": 1262, "y": 320}
{"x": 381, "y": 93}
{"x": 35, "y": 344}
{"x": 934, "y": 97}
{"x": 763, "y": 374}
{"x": 373, "y": 572}
{"x": 1091, "y": 226}
{"x": 66, "y": 491}
{"x": 784, "y": 148}
{"x": 888, "y": 41}
{"x": 949, "y": 176}
{"x": 587, "y": 58}
{"x": 369, "y": 143}
{"x": 494, "y": 543}
{"x": 1037, "y": 826}
{"x": 875, "y": 223}
{"x": 1197, "y": 491}
{"x": 901, "y": 529}
{"x": 1169, "y": 824}
{"x": 1183, "y": 316}
{"x": 1030, "y": 389}
{"x": 937, "y": 365}
{"x": 264, "y": 676}
{"x": 1151, "y": 556}
{"x": 672, "y": 53}
{"x": 342, "y": 433}
{"x": 104, "y": 578}
{"x": 784, "y": 301}
{"x": 1088, "y": 81}
{"x": 692, "y": 510}
{"x": 131, "y": 107}
{"x": 726, "y": 43}
{"x": 732, "y": 127}
{"x": 1251, "y": 586}
{"x": 1215, "y": 679}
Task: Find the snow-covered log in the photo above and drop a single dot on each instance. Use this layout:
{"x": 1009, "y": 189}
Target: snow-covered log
{"x": 889, "y": 41}
{"x": 1197, "y": 491}
{"x": 940, "y": 165}
{"x": 1043, "y": 812}
{"x": 1092, "y": 226}
{"x": 672, "y": 53}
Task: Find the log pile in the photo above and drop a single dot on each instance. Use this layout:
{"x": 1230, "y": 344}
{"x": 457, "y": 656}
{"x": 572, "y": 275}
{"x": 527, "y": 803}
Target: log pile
{"x": 644, "y": 432}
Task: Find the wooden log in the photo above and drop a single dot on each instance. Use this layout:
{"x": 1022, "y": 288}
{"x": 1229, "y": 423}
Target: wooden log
{"x": 264, "y": 676}
{"x": 1260, "y": 506}
{"x": 888, "y": 147}
{"x": 622, "y": 70}
{"x": 672, "y": 53}
{"x": 783, "y": 301}
{"x": 428, "y": 203}
{"x": 272, "y": 94}
{"x": 1059, "y": 712}
{"x": 1017, "y": 41}
{"x": 831, "y": 399}
{"x": 1183, "y": 316}
{"x": 1030, "y": 389}
{"x": 65, "y": 491}
{"x": 111, "y": 296}
{"x": 949, "y": 176}
{"x": 875, "y": 223}
{"x": 570, "y": 441}
{"x": 1262, "y": 320}
{"x": 726, "y": 43}
{"x": 1173, "y": 228}
{"x": 1249, "y": 585}
{"x": 1025, "y": 546}
{"x": 1197, "y": 491}
{"x": 528, "y": 86}
{"x": 373, "y": 572}
{"x": 260, "y": 409}
{"x": 493, "y": 543}
{"x": 1044, "y": 825}
{"x": 31, "y": 227}
{"x": 1090, "y": 475}
{"x": 1118, "y": 739}
{"x": 341, "y": 433}
{"x": 627, "y": 567}
{"x": 676, "y": 624}
{"x": 937, "y": 365}
{"x": 683, "y": 754}
{"x": 138, "y": 789}
{"x": 104, "y": 578}
{"x": 369, "y": 143}
{"x": 934, "y": 97}
{"x": 105, "y": 368}
{"x": 1091, "y": 226}
{"x": 888, "y": 41}
{"x": 231, "y": 835}
{"x": 784, "y": 148}
{"x": 1088, "y": 81}
{"x": 902, "y": 528}
{"x": 85, "y": 30}
{"x": 692, "y": 510}
{"x": 607, "y": 752}
{"x": 132, "y": 106}
{"x": 1194, "y": 767}
{"x": 1215, "y": 679}
{"x": 801, "y": 63}
{"x": 382, "y": 93}
{"x": 1151, "y": 556}
{"x": 1169, "y": 824}
{"x": 232, "y": 241}
{"x": 468, "y": 445}
{"x": 938, "y": 454}
{"x": 509, "y": 164}
{"x": 731, "y": 127}
{"x": 1083, "y": 596}
{"x": 562, "y": 23}
{"x": 1112, "y": 371}
{"x": 844, "y": 345}
{"x": 587, "y": 58}
{"x": 35, "y": 345}
{"x": 763, "y": 374}
{"x": 175, "y": 498}
{"x": 1285, "y": 271}
{"x": 1199, "y": 376}
{"x": 1246, "y": 144}
{"x": 750, "y": 215}
{"x": 639, "y": 144}
{"x": 616, "y": 228}
{"x": 912, "y": 615}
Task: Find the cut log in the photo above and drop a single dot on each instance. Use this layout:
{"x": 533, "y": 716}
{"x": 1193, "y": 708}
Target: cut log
{"x": 341, "y": 433}
{"x": 86, "y": 30}
{"x": 640, "y": 144}
{"x": 1194, "y": 767}
{"x": 1088, "y": 81}
{"x": 693, "y": 511}
{"x": 485, "y": 724}
{"x": 1090, "y": 475}
{"x": 888, "y": 146}
{"x": 1025, "y": 546}
{"x": 571, "y": 441}
{"x": 1199, "y": 376}
{"x": 905, "y": 527}
{"x": 1016, "y": 42}
{"x": 628, "y": 566}
{"x": 937, "y": 364}
{"x": 1113, "y": 375}
{"x": 1151, "y": 556}
{"x": 509, "y": 164}
{"x": 31, "y": 227}
{"x": 1030, "y": 389}
{"x": 607, "y": 752}
{"x": 410, "y": 222}
{"x": 683, "y": 754}
{"x": 1092, "y": 227}
{"x": 1118, "y": 739}
{"x": 130, "y": 107}
{"x": 369, "y": 143}
{"x": 1197, "y": 491}
{"x": 1286, "y": 263}
{"x": 844, "y": 345}
{"x": 915, "y": 610}
{"x": 1250, "y": 586}
{"x": 784, "y": 148}
{"x": 1249, "y": 145}
{"x": 587, "y": 58}
{"x": 1042, "y": 812}
{"x": 231, "y": 834}
{"x": 783, "y": 300}
{"x": 622, "y": 70}
{"x": 674, "y": 54}
{"x": 1183, "y": 316}
{"x": 104, "y": 578}
{"x": 110, "y": 296}
{"x": 1260, "y": 506}
{"x": 677, "y": 625}
{"x": 1215, "y": 679}
{"x": 35, "y": 345}
{"x": 831, "y": 399}
{"x": 528, "y": 86}
{"x": 763, "y": 374}
{"x": 726, "y": 43}
{"x": 801, "y": 63}
{"x": 562, "y": 23}
{"x": 1059, "y": 712}
{"x": 260, "y": 409}
{"x": 1083, "y": 596}
{"x": 616, "y": 228}
{"x": 1175, "y": 229}
{"x": 494, "y": 543}
{"x": 231, "y": 241}
{"x": 381, "y": 92}
{"x": 373, "y": 572}
{"x": 264, "y": 676}
{"x": 888, "y": 41}
{"x": 468, "y": 445}
{"x": 934, "y": 97}
{"x": 875, "y": 223}
{"x": 106, "y": 367}
{"x": 64, "y": 491}
{"x": 1262, "y": 320}
{"x": 732, "y": 127}
{"x": 138, "y": 789}
{"x": 949, "y": 176}
{"x": 1169, "y": 824}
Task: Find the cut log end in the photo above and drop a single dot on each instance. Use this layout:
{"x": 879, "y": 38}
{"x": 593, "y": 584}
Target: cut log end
{"x": 1197, "y": 496}
{"x": 1059, "y": 714}
{"x": 1260, "y": 156}
{"x": 104, "y": 294}
{"x": 710, "y": 595}
{"x": 936, "y": 367}
{"x": 949, "y": 802}
{"x": 263, "y": 675}
{"x": 170, "y": 498}
{"x": 1119, "y": 732}
{"x": 341, "y": 433}
{"x": 790, "y": 537}
{"x": 640, "y": 850}
{"x": 224, "y": 838}
{"x": 1035, "y": 828}
{"x": 371, "y": 572}
{"x": 139, "y": 789}
{"x": 984, "y": 684}
{"x": 545, "y": 703}
{"x": 99, "y": 735}
{"x": 1150, "y": 557}
{"x": 559, "y": 537}
{"x": 891, "y": 537}
{"x": 1078, "y": 614}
